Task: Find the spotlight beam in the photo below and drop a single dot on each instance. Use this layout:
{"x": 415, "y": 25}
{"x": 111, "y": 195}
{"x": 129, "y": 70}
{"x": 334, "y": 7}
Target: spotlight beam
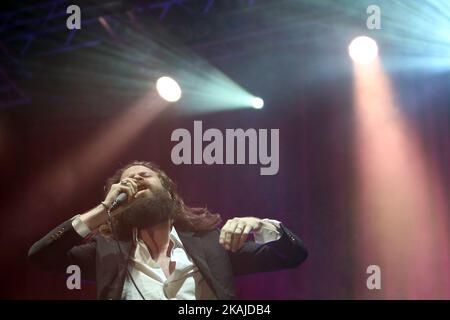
{"x": 402, "y": 227}
{"x": 76, "y": 170}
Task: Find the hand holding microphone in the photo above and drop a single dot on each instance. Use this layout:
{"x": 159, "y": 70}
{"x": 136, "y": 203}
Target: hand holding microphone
{"x": 120, "y": 193}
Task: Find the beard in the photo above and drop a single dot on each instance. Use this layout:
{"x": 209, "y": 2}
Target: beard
{"x": 149, "y": 211}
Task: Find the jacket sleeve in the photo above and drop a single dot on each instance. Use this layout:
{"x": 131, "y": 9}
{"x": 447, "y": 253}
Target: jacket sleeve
{"x": 287, "y": 252}
{"x": 62, "y": 247}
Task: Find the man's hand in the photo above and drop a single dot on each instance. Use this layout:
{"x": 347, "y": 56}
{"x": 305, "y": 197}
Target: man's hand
{"x": 97, "y": 216}
{"x": 235, "y": 232}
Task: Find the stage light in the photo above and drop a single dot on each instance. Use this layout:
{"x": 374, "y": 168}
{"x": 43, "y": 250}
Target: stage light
{"x": 168, "y": 89}
{"x": 363, "y": 50}
{"x": 257, "y": 103}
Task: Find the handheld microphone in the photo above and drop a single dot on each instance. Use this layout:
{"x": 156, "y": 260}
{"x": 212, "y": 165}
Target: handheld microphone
{"x": 122, "y": 197}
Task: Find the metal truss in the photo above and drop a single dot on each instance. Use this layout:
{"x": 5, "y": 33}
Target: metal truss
{"x": 25, "y": 30}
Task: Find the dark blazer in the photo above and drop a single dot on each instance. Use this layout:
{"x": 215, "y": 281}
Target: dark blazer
{"x": 100, "y": 258}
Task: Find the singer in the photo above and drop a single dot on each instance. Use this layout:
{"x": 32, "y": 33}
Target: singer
{"x": 143, "y": 242}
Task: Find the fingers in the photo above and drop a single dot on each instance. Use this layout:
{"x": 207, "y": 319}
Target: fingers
{"x": 130, "y": 183}
{"x": 127, "y": 189}
{"x": 226, "y": 234}
{"x": 236, "y": 237}
{"x": 234, "y": 233}
{"x": 134, "y": 185}
{"x": 128, "y": 186}
{"x": 244, "y": 236}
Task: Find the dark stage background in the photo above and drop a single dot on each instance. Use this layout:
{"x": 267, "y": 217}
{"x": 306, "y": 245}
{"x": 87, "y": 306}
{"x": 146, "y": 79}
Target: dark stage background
{"x": 305, "y": 76}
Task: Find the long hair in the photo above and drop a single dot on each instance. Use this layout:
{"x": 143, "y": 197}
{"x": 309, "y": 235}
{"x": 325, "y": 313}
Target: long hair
{"x": 185, "y": 218}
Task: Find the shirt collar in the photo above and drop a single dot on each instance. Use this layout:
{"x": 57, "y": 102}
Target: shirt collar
{"x": 173, "y": 236}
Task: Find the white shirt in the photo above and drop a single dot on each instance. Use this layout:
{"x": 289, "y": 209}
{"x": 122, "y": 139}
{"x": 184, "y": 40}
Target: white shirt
{"x": 185, "y": 282}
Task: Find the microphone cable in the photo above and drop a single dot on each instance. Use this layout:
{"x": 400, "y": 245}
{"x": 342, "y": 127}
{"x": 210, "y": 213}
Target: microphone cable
{"x": 108, "y": 212}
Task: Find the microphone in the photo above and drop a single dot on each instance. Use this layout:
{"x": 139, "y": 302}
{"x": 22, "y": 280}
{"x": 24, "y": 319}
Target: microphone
{"x": 122, "y": 197}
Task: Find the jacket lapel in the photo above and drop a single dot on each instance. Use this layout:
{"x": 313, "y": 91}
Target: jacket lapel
{"x": 194, "y": 247}
{"x": 123, "y": 256}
